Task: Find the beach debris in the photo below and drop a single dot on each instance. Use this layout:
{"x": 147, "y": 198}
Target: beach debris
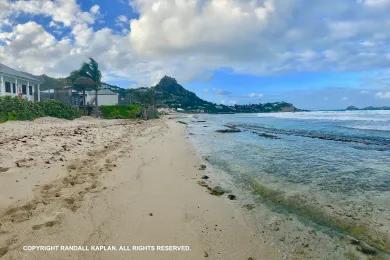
{"x": 232, "y": 197}
{"x": 201, "y": 121}
{"x": 205, "y": 254}
{"x": 202, "y": 167}
{"x": 250, "y": 258}
{"x": 182, "y": 122}
{"x": 205, "y": 177}
{"x": 151, "y": 214}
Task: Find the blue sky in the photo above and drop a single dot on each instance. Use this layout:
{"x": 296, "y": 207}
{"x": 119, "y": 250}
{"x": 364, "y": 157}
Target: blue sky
{"x": 317, "y": 55}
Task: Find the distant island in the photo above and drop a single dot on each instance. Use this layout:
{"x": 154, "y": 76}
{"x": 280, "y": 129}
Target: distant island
{"x": 351, "y": 108}
{"x": 170, "y": 94}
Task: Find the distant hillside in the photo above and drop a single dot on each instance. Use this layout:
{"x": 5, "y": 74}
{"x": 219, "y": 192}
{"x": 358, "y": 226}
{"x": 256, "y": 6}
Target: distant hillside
{"x": 51, "y": 83}
{"x": 265, "y": 108}
{"x": 168, "y": 93}
{"x": 368, "y": 108}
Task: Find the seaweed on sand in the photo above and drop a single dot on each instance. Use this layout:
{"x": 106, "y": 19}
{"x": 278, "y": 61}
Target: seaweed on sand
{"x": 319, "y": 216}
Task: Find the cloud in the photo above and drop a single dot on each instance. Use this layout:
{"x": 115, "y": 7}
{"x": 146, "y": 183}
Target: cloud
{"x": 222, "y": 92}
{"x": 383, "y": 94}
{"x": 190, "y": 39}
{"x": 255, "y": 95}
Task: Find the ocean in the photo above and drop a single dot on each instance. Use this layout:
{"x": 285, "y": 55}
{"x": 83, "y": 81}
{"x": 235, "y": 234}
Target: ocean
{"x": 330, "y": 168}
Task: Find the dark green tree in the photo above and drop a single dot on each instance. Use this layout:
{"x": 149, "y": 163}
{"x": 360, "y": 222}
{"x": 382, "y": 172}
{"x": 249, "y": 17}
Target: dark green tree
{"x": 80, "y": 83}
{"x": 91, "y": 71}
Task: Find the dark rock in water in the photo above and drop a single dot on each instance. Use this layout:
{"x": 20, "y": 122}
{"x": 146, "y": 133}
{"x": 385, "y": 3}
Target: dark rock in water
{"x": 181, "y": 122}
{"x": 232, "y": 197}
{"x": 205, "y": 126}
{"x": 205, "y": 177}
{"x": 230, "y": 130}
{"x": 201, "y": 121}
{"x": 203, "y": 184}
{"x": 249, "y": 206}
{"x": 270, "y": 136}
{"x": 202, "y": 167}
{"x": 355, "y": 241}
{"x": 366, "y": 249}
{"x": 217, "y": 191}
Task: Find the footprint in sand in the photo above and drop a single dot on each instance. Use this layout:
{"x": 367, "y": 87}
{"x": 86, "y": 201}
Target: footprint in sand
{"x": 48, "y": 222}
{"x": 51, "y": 223}
{"x": 2, "y": 169}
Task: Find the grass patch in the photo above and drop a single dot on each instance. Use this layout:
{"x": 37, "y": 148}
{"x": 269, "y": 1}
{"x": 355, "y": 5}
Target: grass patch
{"x": 121, "y": 111}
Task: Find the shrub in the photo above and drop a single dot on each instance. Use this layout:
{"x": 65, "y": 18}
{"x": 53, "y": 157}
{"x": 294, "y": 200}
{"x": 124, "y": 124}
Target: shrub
{"x": 59, "y": 109}
{"x": 14, "y": 108}
{"x": 121, "y": 111}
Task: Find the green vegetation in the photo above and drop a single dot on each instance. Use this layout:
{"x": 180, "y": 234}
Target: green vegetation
{"x": 59, "y": 109}
{"x": 121, "y": 111}
{"x": 14, "y": 108}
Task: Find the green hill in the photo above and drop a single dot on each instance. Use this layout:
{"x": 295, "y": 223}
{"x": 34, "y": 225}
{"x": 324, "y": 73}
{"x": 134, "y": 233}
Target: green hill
{"x": 170, "y": 94}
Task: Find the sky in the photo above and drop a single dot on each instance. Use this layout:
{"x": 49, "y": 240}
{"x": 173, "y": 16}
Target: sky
{"x": 316, "y": 54}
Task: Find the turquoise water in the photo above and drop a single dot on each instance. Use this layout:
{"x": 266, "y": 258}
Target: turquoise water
{"x": 333, "y": 164}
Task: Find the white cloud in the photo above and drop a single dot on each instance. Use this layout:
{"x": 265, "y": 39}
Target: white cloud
{"x": 191, "y": 38}
{"x": 376, "y": 3}
{"x": 255, "y": 95}
{"x": 383, "y": 94}
{"x": 66, "y": 12}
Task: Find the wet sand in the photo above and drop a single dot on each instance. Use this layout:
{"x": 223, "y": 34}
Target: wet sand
{"x": 93, "y": 182}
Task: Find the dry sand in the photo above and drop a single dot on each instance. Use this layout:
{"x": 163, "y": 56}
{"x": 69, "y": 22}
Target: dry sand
{"x": 93, "y": 182}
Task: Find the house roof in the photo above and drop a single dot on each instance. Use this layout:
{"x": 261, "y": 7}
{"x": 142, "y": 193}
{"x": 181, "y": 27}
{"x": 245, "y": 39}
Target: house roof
{"x": 7, "y": 70}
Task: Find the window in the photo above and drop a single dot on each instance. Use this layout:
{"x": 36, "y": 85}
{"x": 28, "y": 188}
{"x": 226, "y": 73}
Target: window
{"x": 13, "y": 88}
{"x": 30, "y": 90}
{"x": 24, "y": 89}
{"x": 7, "y": 87}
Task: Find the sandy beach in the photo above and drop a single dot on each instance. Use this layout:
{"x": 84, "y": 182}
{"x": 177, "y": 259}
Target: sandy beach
{"x": 88, "y": 182}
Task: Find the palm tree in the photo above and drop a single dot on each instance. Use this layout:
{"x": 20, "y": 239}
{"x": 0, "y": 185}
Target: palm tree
{"x": 91, "y": 71}
{"x": 80, "y": 83}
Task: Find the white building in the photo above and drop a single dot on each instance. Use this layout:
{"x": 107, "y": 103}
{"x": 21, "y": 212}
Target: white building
{"x": 18, "y": 83}
{"x": 106, "y": 97}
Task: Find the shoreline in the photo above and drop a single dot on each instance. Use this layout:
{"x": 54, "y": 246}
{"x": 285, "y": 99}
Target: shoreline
{"x": 312, "y": 232}
{"x": 135, "y": 185}
{"x": 138, "y": 185}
